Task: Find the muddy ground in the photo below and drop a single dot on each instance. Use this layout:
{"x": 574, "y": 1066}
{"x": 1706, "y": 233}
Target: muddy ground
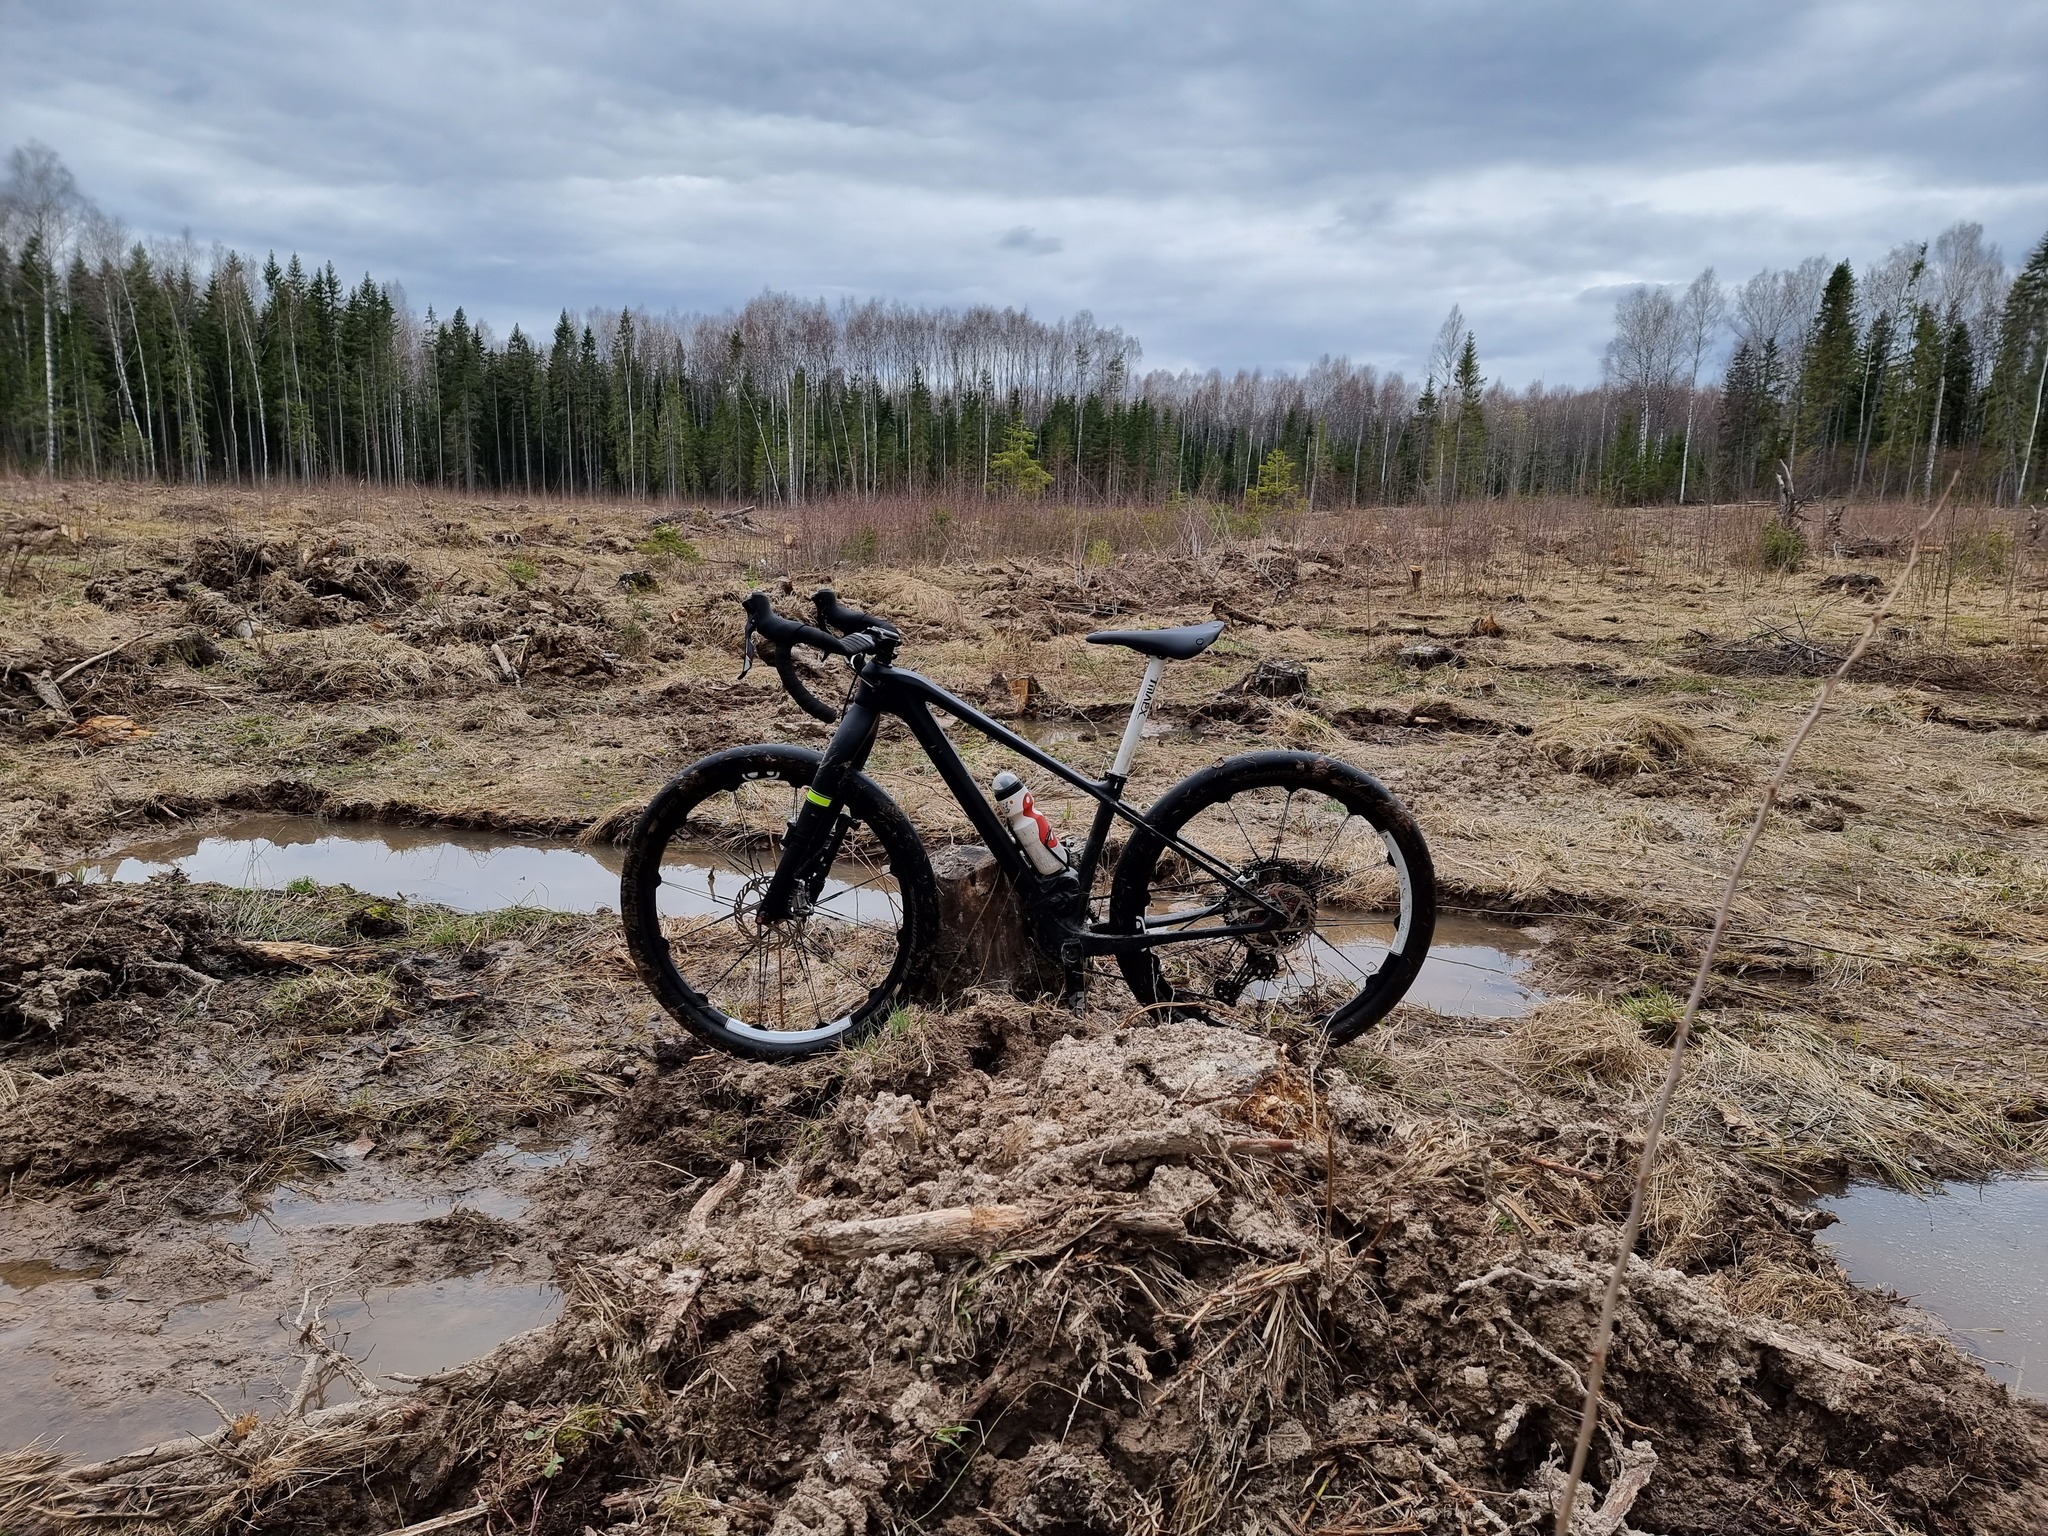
{"x": 1003, "y": 1269}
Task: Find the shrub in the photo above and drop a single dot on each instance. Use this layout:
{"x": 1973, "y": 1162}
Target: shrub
{"x": 1980, "y": 553}
{"x": 863, "y": 546}
{"x": 1781, "y": 548}
{"x": 667, "y": 543}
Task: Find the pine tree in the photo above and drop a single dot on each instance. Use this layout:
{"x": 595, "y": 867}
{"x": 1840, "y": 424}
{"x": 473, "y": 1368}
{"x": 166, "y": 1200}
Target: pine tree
{"x": 1279, "y": 484}
{"x": 2019, "y": 381}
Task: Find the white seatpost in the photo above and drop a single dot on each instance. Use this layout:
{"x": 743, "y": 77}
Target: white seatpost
{"x": 1128, "y": 747}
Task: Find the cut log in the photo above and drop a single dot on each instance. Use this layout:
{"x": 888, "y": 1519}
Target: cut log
{"x": 956, "y": 1229}
{"x": 984, "y": 940}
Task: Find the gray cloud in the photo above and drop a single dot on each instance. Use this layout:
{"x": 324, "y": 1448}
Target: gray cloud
{"x": 1028, "y": 240}
{"x": 1236, "y": 187}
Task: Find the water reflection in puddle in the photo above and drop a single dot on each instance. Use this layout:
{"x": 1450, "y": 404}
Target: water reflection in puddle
{"x": 1971, "y": 1254}
{"x": 468, "y": 871}
{"x": 1475, "y": 968}
{"x": 78, "y": 1402}
{"x": 99, "y": 1367}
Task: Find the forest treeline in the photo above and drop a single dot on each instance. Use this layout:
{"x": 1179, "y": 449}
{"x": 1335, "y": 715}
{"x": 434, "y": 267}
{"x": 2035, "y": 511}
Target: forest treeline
{"x": 150, "y": 360}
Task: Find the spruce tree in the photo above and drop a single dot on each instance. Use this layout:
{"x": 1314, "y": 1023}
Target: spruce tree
{"x": 1833, "y": 373}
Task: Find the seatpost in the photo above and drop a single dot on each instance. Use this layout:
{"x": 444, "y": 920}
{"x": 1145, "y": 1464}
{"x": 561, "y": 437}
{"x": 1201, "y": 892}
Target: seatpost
{"x": 1128, "y": 747}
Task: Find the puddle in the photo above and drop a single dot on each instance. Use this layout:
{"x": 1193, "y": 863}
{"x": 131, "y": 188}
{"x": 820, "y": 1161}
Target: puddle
{"x": 1474, "y": 970}
{"x": 28, "y": 1274}
{"x": 77, "y": 1401}
{"x": 468, "y": 871}
{"x": 1971, "y": 1254}
{"x": 106, "y": 1362}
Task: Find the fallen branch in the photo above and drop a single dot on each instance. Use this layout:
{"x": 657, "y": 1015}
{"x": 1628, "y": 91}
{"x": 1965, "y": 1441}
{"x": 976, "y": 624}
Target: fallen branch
{"x": 443, "y": 1522}
{"x": 79, "y": 666}
{"x": 976, "y": 1229}
{"x": 707, "y": 1203}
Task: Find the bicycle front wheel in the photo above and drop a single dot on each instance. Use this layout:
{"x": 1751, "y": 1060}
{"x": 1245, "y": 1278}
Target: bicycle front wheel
{"x": 1323, "y": 843}
{"x": 696, "y": 867}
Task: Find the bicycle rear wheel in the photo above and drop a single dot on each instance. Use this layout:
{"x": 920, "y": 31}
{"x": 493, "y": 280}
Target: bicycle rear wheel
{"x": 1322, "y": 841}
{"x": 695, "y": 869}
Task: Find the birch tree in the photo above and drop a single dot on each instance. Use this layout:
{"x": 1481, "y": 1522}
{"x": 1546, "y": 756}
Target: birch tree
{"x": 1701, "y": 314}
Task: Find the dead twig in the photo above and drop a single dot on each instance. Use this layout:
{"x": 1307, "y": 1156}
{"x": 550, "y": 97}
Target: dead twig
{"x": 79, "y": 666}
{"x": 1603, "y": 1335}
{"x": 707, "y": 1203}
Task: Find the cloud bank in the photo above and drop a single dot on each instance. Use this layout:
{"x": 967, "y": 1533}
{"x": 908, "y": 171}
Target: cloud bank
{"x": 1237, "y": 186}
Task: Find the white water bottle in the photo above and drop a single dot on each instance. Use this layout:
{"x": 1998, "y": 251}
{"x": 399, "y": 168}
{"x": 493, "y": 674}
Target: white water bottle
{"x": 1028, "y": 825}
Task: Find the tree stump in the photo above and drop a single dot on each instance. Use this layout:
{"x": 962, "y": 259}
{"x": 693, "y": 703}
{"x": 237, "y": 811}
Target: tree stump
{"x": 1021, "y": 696}
{"x": 984, "y": 940}
{"x": 1274, "y": 679}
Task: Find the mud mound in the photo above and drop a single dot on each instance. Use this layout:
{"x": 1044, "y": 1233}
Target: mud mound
{"x": 238, "y": 565}
{"x": 1899, "y": 657}
{"x": 68, "y": 958}
{"x": 1158, "y": 1281}
{"x": 230, "y": 562}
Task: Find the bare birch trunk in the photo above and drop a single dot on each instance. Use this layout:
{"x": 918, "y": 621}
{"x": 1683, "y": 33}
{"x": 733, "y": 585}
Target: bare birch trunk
{"x": 2027, "y": 458}
{"x": 49, "y": 388}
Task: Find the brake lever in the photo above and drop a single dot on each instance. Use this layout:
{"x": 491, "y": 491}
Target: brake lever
{"x": 746, "y": 650}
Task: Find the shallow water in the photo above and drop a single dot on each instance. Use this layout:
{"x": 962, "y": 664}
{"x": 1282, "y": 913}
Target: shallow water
{"x": 1475, "y": 969}
{"x": 468, "y": 871}
{"x": 1973, "y": 1255}
{"x": 102, "y": 1365}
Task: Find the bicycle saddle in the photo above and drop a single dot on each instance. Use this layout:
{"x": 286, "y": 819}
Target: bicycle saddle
{"x": 1171, "y": 644}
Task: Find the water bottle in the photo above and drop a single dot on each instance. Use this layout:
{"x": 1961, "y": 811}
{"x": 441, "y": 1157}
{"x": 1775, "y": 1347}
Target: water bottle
{"x": 1028, "y": 825}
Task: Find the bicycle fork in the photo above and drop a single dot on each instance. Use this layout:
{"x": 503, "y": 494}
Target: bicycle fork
{"x": 814, "y": 835}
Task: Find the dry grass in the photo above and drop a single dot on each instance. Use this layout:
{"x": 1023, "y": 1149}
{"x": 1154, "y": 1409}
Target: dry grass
{"x": 357, "y": 665}
{"x": 1618, "y": 743}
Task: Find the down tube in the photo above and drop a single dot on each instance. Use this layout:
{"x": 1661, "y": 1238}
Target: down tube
{"x": 946, "y": 758}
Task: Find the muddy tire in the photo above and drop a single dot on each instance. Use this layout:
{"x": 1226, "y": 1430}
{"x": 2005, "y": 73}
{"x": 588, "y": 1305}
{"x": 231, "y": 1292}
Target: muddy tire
{"x": 1323, "y": 841}
{"x": 695, "y": 867}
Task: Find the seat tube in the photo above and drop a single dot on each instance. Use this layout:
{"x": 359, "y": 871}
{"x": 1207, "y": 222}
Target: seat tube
{"x": 1120, "y": 770}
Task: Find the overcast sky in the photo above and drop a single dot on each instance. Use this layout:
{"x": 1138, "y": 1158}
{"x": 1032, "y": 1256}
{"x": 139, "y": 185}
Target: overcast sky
{"x": 1238, "y": 185}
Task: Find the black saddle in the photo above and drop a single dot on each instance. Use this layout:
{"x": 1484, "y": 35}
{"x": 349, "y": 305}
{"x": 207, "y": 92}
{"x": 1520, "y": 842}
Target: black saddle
{"x": 1172, "y": 644}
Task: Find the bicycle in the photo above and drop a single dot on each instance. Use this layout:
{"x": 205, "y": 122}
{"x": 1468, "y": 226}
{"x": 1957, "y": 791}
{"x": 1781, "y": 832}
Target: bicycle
{"x": 1271, "y": 887}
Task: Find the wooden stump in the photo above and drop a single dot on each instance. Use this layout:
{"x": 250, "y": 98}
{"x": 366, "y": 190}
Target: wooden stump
{"x": 983, "y": 937}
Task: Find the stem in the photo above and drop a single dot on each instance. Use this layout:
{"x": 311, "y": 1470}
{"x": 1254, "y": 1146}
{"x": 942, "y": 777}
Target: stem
{"x": 1603, "y": 1335}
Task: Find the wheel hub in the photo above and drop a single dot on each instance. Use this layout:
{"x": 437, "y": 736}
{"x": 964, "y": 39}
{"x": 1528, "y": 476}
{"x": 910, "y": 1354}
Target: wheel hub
{"x": 1290, "y": 892}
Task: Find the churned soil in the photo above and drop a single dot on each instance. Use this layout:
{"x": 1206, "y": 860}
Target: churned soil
{"x": 1003, "y": 1268}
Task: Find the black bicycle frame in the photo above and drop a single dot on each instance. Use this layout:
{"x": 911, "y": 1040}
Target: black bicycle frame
{"x": 882, "y": 689}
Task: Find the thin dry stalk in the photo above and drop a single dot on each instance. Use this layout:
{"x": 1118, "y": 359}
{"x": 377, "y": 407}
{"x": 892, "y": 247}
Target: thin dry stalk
{"x": 1603, "y": 1334}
